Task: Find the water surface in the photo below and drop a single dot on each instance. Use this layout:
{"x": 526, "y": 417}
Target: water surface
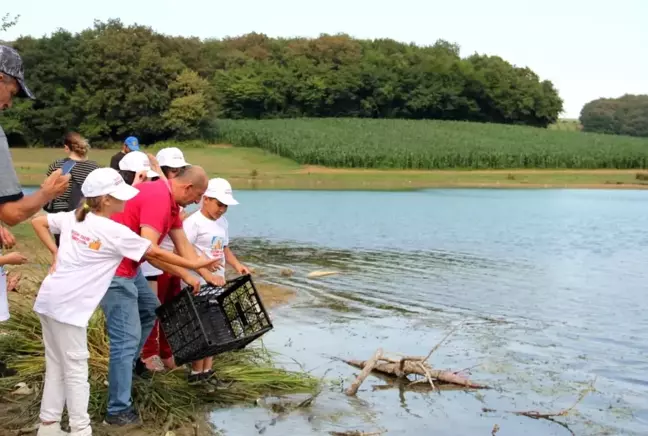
{"x": 550, "y": 286}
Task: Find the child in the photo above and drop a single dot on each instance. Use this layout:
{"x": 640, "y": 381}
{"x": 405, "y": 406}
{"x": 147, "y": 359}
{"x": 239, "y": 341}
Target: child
{"x": 92, "y": 246}
{"x": 156, "y": 353}
{"x": 7, "y": 284}
{"x": 207, "y": 230}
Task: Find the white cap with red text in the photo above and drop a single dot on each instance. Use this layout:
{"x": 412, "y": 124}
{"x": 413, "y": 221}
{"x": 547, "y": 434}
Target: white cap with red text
{"x": 171, "y": 157}
{"x": 137, "y": 161}
{"x": 107, "y": 181}
{"x": 221, "y": 190}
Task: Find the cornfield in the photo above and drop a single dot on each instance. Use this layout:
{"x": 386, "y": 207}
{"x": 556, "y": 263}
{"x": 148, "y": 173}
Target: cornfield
{"x": 427, "y": 144}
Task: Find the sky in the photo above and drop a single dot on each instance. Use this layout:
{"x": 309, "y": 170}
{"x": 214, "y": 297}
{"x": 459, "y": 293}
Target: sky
{"x": 587, "y": 48}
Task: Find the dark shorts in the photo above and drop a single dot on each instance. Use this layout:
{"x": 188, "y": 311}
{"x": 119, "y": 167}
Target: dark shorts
{"x": 152, "y": 278}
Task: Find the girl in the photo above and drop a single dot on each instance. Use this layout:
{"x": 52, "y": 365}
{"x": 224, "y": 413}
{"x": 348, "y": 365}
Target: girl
{"x": 156, "y": 353}
{"x": 92, "y": 246}
{"x": 208, "y": 231}
{"x": 7, "y": 284}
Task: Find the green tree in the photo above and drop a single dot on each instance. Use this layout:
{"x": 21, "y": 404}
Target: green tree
{"x": 627, "y": 115}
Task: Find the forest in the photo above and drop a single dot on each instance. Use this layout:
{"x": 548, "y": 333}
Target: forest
{"x": 112, "y": 80}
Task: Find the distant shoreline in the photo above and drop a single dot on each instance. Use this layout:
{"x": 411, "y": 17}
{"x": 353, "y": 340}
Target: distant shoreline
{"x": 255, "y": 169}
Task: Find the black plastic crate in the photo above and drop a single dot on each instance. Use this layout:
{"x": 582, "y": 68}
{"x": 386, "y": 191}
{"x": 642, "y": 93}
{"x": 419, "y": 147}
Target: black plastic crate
{"x": 214, "y": 321}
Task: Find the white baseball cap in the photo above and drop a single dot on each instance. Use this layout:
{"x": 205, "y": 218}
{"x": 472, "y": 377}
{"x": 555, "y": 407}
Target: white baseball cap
{"x": 107, "y": 181}
{"x": 221, "y": 190}
{"x": 171, "y": 157}
{"x": 137, "y": 161}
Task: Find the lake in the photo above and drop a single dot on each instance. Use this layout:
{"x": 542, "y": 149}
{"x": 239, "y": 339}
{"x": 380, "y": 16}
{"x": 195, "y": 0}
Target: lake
{"x": 550, "y": 286}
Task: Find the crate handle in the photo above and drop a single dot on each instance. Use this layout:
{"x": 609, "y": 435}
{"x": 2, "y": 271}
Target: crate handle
{"x": 241, "y": 313}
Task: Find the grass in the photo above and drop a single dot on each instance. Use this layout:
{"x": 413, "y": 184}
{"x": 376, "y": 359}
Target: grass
{"x": 253, "y": 168}
{"x": 433, "y": 145}
{"x": 250, "y": 373}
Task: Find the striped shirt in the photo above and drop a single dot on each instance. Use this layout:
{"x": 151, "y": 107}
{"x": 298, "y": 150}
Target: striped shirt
{"x": 77, "y": 175}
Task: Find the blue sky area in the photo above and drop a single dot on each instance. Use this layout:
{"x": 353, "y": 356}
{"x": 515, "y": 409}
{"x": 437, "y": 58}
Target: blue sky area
{"x": 588, "y": 49}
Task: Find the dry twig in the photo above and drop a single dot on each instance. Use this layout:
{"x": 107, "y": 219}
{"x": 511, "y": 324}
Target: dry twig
{"x": 366, "y": 370}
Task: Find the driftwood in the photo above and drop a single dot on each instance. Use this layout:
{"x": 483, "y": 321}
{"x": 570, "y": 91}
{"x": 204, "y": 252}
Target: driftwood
{"x": 367, "y": 367}
{"x": 404, "y": 366}
{"x": 407, "y": 367}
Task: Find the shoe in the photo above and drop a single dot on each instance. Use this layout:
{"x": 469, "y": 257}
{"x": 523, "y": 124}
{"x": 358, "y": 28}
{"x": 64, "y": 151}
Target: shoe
{"x": 51, "y": 430}
{"x": 85, "y": 432}
{"x": 141, "y": 370}
{"x": 193, "y": 379}
{"x": 123, "y": 419}
{"x": 6, "y": 372}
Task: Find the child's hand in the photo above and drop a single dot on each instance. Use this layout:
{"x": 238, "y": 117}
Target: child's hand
{"x": 15, "y": 258}
{"x": 12, "y": 282}
{"x": 242, "y": 269}
{"x": 52, "y": 268}
{"x": 7, "y": 240}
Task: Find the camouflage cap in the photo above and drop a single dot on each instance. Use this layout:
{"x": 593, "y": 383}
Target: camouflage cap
{"x": 11, "y": 64}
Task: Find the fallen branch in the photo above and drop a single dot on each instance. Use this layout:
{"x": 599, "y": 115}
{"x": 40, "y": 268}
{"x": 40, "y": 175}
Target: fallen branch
{"x": 367, "y": 367}
{"x": 413, "y": 367}
{"x": 549, "y": 416}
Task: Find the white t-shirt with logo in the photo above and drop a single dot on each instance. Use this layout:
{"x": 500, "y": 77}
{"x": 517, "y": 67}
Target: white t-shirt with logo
{"x": 89, "y": 254}
{"x": 167, "y": 244}
{"x": 209, "y": 237}
{"x": 4, "y": 300}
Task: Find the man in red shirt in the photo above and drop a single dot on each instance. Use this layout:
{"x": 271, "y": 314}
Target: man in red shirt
{"x": 129, "y": 304}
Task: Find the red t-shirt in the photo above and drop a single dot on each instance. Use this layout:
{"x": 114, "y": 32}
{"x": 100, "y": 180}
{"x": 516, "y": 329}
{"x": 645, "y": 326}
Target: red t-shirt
{"x": 153, "y": 207}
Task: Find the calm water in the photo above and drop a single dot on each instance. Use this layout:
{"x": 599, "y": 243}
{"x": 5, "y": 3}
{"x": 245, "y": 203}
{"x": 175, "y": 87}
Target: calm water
{"x": 550, "y": 285}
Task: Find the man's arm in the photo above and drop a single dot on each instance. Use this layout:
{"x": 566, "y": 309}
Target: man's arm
{"x": 12, "y": 213}
{"x": 186, "y": 250}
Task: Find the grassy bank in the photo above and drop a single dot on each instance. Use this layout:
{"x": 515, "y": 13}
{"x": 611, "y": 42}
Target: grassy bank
{"x": 433, "y": 145}
{"x": 253, "y": 168}
{"x": 247, "y": 375}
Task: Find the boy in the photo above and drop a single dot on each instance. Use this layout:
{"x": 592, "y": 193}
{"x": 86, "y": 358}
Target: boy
{"x": 207, "y": 230}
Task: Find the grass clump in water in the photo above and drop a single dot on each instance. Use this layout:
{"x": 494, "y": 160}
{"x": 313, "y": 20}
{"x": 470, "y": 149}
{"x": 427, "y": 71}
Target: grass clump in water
{"x": 247, "y": 375}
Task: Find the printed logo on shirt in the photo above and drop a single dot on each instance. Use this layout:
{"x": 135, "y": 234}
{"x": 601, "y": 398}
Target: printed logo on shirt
{"x": 217, "y": 246}
{"x": 85, "y": 240}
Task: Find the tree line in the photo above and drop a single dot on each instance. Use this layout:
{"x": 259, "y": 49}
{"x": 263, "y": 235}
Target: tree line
{"x": 112, "y": 80}
{"x": 626, "y": 115}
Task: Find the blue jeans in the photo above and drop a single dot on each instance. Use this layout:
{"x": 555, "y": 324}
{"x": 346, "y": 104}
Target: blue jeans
{"x": 129, "y": 306}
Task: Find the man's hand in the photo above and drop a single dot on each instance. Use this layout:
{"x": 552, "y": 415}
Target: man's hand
{"x": 7, "y": 239}
{"x": 192, "y": 281}
{"x": 15, "y": 258}
{"x": 55, "y": 184}
{"x": 155, "y": 165}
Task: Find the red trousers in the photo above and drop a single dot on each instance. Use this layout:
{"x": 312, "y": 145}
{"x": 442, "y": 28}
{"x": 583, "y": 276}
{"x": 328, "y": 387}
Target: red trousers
{"x": 156, "y": 345}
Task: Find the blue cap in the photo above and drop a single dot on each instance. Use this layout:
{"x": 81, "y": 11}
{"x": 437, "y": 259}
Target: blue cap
{"x": 132, "y": 143}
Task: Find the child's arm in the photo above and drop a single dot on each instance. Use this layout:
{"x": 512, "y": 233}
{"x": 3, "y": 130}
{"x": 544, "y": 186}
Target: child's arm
{"x": 14, "y": 258}
{"x": 42, "y": 229}
{"x": 233, "y": 261}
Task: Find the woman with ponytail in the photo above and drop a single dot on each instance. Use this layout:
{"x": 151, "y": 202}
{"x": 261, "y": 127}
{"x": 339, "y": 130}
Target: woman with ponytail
{"x": 76, "y": 148}
{"x": 93, "y": 245}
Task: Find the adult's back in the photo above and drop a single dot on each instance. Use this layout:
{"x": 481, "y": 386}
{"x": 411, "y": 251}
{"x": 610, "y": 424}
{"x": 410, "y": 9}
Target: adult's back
{"x": 76, "y": 148}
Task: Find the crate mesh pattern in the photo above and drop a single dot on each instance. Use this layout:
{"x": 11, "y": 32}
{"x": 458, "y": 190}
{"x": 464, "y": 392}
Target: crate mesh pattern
{"x": 214, "y": 321}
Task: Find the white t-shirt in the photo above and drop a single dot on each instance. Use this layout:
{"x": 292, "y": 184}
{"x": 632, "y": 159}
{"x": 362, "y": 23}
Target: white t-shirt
{"x": 4, "y": 300}
{"x": 208, "y": 237}
{"x": 87, "y": 260}
{"x": 167, "y": 244}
